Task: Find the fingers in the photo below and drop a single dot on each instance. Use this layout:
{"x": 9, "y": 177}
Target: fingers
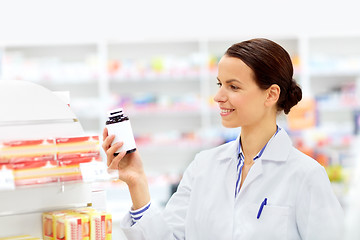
{"x": 112, "y": 162}
{"x": 116, "y": 160}
{"x": 105, "y": 134}
{"x": 107, "y": 142}
{"x": 111, "y": 150}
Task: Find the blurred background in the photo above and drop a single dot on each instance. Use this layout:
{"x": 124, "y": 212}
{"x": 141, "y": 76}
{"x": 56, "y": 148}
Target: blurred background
{"x": 158, "y": 61}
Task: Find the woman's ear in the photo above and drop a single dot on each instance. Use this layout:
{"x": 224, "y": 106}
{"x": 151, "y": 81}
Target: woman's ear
{"x": 273, "y": 94}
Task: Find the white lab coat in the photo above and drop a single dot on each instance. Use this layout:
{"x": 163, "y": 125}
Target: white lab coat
{"x": 300, "y": 200}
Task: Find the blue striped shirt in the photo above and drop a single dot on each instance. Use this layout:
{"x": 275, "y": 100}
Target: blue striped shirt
{"x": 241, "y": 158}
{"x": 138, "y": 213}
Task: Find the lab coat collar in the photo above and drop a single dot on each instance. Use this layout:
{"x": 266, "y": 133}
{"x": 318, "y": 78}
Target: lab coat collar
{"x": 231, "y": 151}
{"x": 277, "y": 149}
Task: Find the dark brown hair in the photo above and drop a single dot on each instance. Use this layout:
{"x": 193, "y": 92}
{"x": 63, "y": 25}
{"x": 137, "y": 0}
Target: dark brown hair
{"x": 271, "y": 64}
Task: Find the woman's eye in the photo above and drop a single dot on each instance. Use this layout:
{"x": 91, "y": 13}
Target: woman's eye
{"x": 219, "y": 84}
{"x": 233, "y": 87}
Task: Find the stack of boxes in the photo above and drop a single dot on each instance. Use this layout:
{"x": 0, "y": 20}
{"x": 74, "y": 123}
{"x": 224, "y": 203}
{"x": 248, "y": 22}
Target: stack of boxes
{"x": 41, "y": 161}
{"x": 48, "y": 160}
{"x": 77, "y": 224}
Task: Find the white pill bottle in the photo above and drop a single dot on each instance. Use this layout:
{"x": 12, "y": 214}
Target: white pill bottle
{"x": 119, "y": 125}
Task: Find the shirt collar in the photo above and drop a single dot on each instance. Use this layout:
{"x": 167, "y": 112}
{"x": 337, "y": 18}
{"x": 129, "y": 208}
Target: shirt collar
{"x": 276, "y": 150}
{"x": 259, "y": 154}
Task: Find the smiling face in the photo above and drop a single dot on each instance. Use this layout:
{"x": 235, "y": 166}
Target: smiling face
{"x": 241, "y": 101}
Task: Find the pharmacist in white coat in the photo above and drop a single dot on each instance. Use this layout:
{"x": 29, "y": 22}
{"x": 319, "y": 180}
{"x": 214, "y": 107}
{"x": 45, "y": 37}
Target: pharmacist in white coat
{"x": 256, "y": 187}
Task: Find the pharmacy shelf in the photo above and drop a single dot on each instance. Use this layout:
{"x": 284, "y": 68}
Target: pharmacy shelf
{"x": 109, "y": 71}
{"x": 30, "y": 111}
{"x": 58, "y": 67}
{"x": 151, "y": 80}
{"x": 334, "y": 60}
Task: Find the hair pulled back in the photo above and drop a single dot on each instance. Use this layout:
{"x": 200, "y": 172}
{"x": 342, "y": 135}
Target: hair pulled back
{"x": 271, "y": 64}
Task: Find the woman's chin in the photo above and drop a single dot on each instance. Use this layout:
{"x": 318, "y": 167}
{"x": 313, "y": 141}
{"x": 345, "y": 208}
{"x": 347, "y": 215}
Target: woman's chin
{"x": 227, "y": 124}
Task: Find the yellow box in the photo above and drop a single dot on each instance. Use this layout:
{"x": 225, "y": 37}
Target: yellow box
{"x": 21, "y": 237}
{"x": 85, "y": 224}
{"x": 68, "y": 227}
{"x": 100, "y": 223}
{"x": 77, "y": 224}
{"x": 49, "y": 226}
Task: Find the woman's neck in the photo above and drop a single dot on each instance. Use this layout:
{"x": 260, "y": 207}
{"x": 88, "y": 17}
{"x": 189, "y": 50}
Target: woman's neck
{"x": 253, "y": 139}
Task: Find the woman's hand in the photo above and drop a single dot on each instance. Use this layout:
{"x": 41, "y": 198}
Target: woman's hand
{"x": 130, "y": 169}
{"x": 129, "y": 165}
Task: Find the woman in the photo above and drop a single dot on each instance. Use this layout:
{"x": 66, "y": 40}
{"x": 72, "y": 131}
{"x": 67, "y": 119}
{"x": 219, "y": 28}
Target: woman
{"x": 257, "y": 187}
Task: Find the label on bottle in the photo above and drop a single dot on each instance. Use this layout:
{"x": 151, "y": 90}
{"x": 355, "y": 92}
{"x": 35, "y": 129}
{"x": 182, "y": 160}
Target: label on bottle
{"x": 123, "y": 133}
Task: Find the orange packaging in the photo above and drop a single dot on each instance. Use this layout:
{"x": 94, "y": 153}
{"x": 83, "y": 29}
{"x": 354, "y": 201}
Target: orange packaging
{"x": 77, "y": 147}
{"x": 49, "y": 223}
{"x": 77, "y": 161}
{"x": 100, "y": 223}
{"x": 27, "y": 150}
{"x": 35, "y": 172}
{"x": 73, "y": 167}
{"x": 77, "y": 224}
{"x": 68, "y": 227}
{"x": 85, "y": 224}
{"x": 303, "y": 115}
{"x": 108, "y": 226}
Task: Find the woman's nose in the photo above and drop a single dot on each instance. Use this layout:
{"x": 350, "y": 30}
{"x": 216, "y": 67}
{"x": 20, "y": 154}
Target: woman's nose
{"x": 220, "y": 96}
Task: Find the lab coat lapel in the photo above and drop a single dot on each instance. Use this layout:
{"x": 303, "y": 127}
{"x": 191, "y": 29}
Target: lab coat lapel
{"x": 277, "y": 150}
{"x": 231, "y": 179}
{"x": 229, "y": 157}
{"x": 255, "y": 171}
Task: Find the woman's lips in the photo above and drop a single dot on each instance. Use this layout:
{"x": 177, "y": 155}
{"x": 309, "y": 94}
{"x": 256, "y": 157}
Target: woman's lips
{"x": 225, "y": 112}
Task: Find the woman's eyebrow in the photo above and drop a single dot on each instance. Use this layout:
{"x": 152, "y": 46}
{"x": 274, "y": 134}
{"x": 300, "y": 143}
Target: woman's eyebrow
{"x": 230, "y": 80}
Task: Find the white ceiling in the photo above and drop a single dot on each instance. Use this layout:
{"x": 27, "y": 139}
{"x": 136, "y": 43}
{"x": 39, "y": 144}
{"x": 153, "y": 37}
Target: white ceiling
{"x": 58, "y": 21}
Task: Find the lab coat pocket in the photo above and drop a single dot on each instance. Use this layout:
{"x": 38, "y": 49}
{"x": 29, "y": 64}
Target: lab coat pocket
{"x": 271, "y": 224}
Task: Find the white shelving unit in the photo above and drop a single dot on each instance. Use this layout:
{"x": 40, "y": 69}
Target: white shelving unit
{"x": 334, "y": 70}
{"x": 73, "y": 68}
{"x": 30, "y": 111}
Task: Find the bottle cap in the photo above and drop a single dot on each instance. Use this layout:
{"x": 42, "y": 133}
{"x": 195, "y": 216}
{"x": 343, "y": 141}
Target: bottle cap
{"x": 115, "y": 112}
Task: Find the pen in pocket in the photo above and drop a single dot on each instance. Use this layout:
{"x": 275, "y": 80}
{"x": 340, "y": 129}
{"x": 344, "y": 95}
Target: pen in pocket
{"x": 261, "y": 207}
